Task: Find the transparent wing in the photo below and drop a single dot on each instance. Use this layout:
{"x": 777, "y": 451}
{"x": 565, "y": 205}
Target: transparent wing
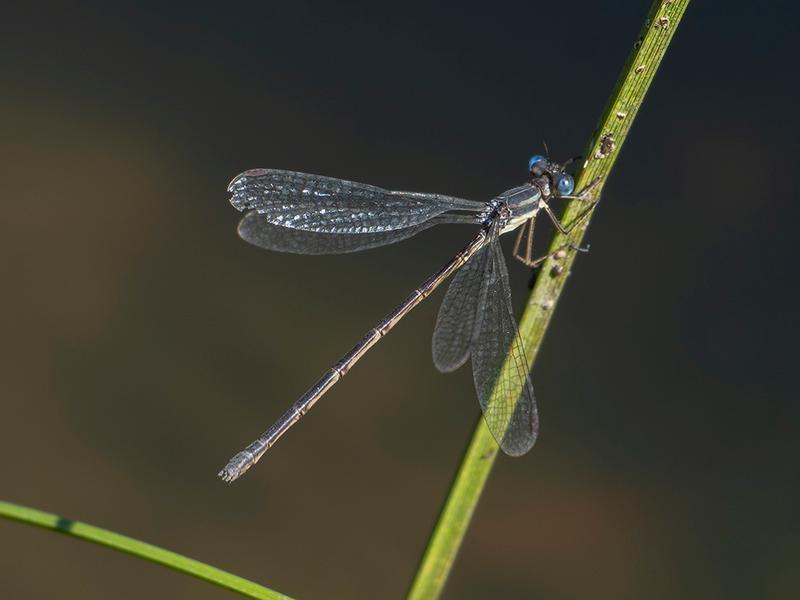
{"x": 328, "y": 205}
{"x": 456, "y": 320}
{"x": 255, "y": 229}
{"x": 499, "y": 364}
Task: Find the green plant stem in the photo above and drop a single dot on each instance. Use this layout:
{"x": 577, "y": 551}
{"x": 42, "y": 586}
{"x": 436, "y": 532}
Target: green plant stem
{"x": 602, "y": 150}
{"x": 129, "y": 545}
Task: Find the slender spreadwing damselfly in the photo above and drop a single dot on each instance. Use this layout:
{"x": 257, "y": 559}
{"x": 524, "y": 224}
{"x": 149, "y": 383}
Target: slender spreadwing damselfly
{"x": 310, "y": 214}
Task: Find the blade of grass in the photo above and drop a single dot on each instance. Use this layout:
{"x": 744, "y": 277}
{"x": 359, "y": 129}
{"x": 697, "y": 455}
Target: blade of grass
{"x": 606, "y": 142}
{"x": 139, "y": 549}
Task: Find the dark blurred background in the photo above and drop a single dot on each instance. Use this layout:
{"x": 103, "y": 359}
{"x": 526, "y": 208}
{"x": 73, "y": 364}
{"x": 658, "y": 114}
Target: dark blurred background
{"x": 143, "y": 343}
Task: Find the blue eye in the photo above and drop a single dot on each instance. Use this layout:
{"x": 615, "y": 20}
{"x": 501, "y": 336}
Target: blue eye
{"x": 535, "y": 160}
{"x": 566, "y": 184}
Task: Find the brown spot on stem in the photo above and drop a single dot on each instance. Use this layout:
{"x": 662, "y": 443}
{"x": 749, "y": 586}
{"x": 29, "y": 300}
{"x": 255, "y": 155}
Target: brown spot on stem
{"x": 607, "y": 145}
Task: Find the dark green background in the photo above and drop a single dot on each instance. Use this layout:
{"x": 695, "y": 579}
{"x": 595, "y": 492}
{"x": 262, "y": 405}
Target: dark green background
{"x": 143, "y": 343}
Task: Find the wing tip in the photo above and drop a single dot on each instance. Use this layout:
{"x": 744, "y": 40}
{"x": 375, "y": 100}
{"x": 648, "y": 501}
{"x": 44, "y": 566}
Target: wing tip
{"x": 517, "y": 451}
{"x": 446, "y": 363}
{"x": 245, "y": 174}
{"x": 515, "y": 444}
{"x": 238, "y": 188}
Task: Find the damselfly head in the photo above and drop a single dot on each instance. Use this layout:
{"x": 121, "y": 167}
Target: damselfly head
{"x": 551, "y": 176}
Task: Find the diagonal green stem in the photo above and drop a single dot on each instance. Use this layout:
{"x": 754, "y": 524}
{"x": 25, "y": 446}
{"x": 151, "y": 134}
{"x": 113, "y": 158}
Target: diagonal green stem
{"x": 129, "y": 545}
{"x": 602, "y": 150}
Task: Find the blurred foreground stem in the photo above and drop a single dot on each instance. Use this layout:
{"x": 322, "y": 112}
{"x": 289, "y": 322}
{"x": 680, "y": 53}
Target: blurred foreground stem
{"x": 601, "y": 153}
{"x": 143, "y": 550}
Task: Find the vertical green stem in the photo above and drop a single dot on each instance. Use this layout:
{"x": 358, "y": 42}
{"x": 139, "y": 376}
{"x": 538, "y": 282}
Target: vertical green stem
{"x": 602, "y": 150}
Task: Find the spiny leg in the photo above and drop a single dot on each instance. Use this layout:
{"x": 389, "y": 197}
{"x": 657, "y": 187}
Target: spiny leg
{"x": 518, "y": 242}
{"x": 535, "y": 262}
{"x": 529, "y": 248}
{"x": 557, "y": 254}
{"x": 564, "y": 230}
{"x": 525, "y": 259}
{"x": 557, "y": 224}
{"x": 582, "y": 196}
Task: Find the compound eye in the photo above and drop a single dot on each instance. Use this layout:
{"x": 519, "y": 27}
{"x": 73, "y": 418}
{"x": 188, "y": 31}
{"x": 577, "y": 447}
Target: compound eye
{"x": 566, "y": 185}
{"x": 536, "y": 160}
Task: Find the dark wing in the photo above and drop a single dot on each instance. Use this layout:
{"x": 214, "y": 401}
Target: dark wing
{"x": 499, "y": 366}
{"x": 327, "y": 205}
{"x": 456, "y": 320}
{"x": 255, "y": 229}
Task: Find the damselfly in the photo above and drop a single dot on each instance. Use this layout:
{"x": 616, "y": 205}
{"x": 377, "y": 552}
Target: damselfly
{"x": 310, "y": 214}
